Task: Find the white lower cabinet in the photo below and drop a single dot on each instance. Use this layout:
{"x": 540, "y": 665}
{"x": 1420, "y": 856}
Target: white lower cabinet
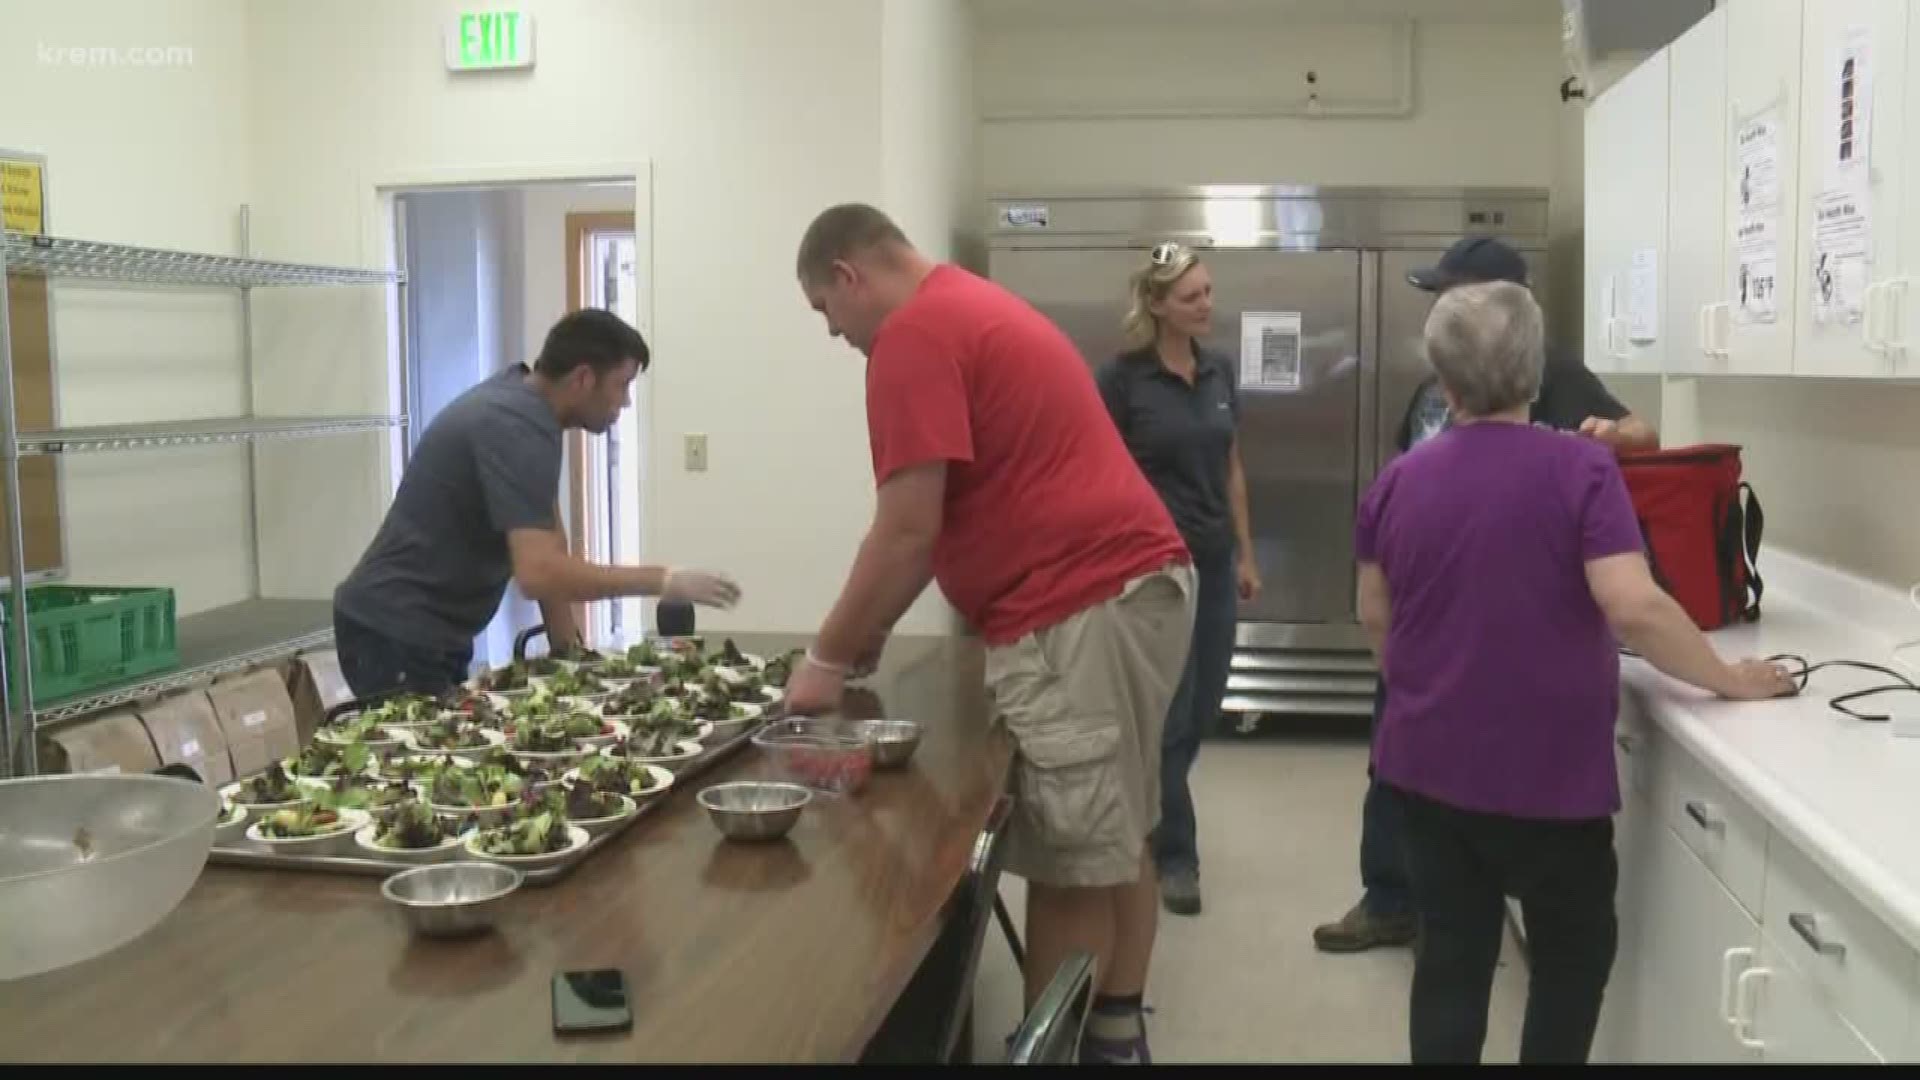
{"x": 1685, "y": 942}
{"x": 1781, "y": 1013}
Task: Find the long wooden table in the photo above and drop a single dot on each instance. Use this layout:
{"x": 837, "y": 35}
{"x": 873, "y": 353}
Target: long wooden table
{"x": 785, "y": 952}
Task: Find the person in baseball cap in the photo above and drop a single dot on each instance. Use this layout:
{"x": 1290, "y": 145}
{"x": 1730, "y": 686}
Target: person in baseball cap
{"x": 1571, "y": 399}
{"x": 1474, "y": 259}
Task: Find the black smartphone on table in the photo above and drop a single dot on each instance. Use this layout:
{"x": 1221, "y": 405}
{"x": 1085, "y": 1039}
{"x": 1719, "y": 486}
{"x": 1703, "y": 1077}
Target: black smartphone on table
{"x": 589, "y": 1001}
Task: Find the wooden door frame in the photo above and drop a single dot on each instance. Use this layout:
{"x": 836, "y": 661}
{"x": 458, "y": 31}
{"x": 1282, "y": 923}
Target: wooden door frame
{"x": 579, "y": 226}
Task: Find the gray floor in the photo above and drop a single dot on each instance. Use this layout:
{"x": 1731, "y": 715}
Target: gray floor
{"x": 1279, "y": 836}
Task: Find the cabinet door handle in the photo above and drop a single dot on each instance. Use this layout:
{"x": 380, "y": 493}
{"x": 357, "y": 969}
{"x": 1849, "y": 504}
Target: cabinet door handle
{"x": 1626, "y": 742}
{"x": 1868, "y": 309}
{"x": 1723, "y": 329}
{"x": 1703, "y": 815}
{"x": 1703, "y": 329}
{"x": 1808, "y": 927}
{"x": 1728, "y": 961}
{"x": 1891, "y": 341}
{"x": 1743, "y": 1008}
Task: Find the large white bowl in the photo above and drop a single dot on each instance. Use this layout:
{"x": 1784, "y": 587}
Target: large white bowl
{"x": 702, "y": 732}
{"x": 256, "y": 811}
{"x": 601, "y": 742}
{"x": 727, "y": 729}
{"x": 486, "y": 816}
{"x": 491, "y": 737}
{"x": 89, "y": 863}
{"x": 339, "y": 841}
{"x": 662, "y": 780}
{"x": 576, "y": 839}
{"x": 554, "y": 761}
{"x": 447, "y": 850}
{"x": 689, "y": 750}
{"x": 231, "y": 828}
{"x": 462, "y": 762}
{"x": 596, "y": 826}
{"x": 387, "y": 739}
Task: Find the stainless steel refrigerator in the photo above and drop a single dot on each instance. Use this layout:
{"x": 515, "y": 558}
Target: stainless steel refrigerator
{"x": 1311, "y": 301}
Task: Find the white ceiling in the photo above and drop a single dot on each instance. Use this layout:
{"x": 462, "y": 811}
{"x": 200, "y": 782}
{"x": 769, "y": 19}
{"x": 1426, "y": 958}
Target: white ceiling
{"x": 1014, "y": 13}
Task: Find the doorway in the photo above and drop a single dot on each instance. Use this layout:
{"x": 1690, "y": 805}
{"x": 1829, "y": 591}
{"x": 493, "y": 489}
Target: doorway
{"x": 490, "y": 268}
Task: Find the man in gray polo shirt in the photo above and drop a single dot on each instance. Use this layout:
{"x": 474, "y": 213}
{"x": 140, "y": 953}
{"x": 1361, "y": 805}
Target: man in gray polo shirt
{"x": 477, "y": 507}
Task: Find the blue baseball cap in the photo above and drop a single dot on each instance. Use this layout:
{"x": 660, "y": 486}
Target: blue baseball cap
{"x": 1473, "y": 259}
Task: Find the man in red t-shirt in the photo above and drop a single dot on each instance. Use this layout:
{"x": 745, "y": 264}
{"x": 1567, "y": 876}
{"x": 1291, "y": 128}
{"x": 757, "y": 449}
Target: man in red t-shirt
{"x": 1000, "y": 475}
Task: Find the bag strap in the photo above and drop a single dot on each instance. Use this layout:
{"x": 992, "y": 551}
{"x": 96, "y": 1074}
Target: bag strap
{"x": 1753, "y": 524}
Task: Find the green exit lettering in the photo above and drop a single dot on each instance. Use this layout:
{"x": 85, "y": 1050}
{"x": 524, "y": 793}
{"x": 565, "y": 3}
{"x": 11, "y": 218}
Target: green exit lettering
{"x": 491, "y": 39}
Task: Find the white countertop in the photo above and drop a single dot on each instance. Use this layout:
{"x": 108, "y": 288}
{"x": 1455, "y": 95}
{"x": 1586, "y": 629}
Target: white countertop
{"x": 1846, "y": 792}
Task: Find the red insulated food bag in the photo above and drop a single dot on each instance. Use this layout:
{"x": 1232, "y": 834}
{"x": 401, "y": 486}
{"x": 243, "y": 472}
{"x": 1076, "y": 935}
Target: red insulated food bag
{"x": 1702, "y": 527}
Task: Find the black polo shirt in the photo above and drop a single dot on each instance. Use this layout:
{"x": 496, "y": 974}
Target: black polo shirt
{"x": 1180, "y": 435}
{"x": 1570, "y": 393}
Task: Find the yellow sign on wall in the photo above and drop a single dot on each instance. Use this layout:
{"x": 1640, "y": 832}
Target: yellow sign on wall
{"x": 22, "y": 197}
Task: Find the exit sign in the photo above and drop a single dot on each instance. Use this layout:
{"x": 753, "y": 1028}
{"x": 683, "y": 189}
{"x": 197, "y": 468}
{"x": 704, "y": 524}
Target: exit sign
{"x": 490, "y": 41}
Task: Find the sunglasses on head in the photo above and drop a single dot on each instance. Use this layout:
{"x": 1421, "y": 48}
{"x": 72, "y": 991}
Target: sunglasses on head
{"x": 1165, "y": 254}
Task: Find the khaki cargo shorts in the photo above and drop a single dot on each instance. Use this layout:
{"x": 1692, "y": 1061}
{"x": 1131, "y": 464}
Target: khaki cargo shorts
{"x": 1085, "y": 701}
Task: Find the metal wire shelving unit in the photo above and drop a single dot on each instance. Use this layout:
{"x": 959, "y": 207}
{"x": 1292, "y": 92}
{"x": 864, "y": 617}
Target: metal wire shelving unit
{"x": 211, "y": 643}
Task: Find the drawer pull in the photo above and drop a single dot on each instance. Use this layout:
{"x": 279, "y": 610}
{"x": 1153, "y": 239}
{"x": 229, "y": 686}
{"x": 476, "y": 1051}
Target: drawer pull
{"x": 1702, "y": 815}
{"x": 1804, "y": 924}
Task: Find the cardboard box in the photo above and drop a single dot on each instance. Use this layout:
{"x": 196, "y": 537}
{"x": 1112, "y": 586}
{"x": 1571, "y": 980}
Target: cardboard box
{"x": 316, "y": 685}
{"x": 256, "y": 716}
{"x": 114, "y": 743}
{"x": 184, "y": 730}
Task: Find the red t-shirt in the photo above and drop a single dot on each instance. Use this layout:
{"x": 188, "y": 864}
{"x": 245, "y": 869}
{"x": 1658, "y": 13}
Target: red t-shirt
{"x": 1046, "y": 512}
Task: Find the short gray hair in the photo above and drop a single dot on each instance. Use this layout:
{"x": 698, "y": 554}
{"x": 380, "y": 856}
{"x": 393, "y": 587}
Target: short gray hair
{"x": 1487, "y": 343}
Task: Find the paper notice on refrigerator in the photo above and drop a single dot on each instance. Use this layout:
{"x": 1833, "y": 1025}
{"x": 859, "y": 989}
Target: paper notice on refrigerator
{"x": 1845, "y": 128}
{"x": 1270, "y": 350}
{"x": 1756, "y": 218}
{"x": 1643, "y": 297}
{"x": 1842, "y": 228}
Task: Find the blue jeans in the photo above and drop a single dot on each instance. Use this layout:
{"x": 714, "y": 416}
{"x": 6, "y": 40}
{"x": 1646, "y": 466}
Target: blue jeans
{"x": 1383, "y": 856}
{"x": 1195, "y": 709}
{"x": 375, "y": 664}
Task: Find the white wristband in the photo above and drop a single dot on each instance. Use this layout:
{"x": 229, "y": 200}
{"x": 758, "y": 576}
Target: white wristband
{"x": 842, "y": 670}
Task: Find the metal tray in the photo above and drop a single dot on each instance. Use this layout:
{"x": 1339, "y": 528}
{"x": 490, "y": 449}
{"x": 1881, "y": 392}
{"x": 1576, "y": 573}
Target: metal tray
{"x": 258, "y": 859}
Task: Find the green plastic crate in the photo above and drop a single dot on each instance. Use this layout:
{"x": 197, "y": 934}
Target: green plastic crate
{"x": 86, "y": 637}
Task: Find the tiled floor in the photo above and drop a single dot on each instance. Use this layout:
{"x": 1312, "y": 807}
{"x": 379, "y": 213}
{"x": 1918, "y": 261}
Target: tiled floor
{"x": 1279, "y": 836}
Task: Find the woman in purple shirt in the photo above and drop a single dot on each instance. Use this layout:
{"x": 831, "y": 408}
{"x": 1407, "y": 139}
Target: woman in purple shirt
{"x": 1501, "y": 567}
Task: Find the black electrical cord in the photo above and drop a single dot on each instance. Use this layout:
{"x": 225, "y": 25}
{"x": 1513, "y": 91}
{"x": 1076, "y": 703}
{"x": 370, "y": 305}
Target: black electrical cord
{"x": 1801, "y": 671}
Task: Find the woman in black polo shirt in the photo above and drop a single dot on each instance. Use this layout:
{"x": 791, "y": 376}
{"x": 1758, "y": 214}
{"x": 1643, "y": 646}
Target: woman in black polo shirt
{"x": 1174, "y": 403}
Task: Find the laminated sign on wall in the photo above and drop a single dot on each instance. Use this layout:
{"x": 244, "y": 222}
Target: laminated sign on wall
{"x": 1756, "y": 219}
{"x": 22, "y": 197}
{"x": 1270, "y": 350}
{"x": 1841, "y": 253}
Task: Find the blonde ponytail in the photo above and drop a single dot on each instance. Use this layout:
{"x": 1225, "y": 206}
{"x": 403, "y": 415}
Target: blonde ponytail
{"x": 1148, "y": 285}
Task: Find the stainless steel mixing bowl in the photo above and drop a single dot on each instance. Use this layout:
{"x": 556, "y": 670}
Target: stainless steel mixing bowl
{"x": 755, "y": 809}
{"x": 88, "y": 863}
{"x": 451, "y": 899}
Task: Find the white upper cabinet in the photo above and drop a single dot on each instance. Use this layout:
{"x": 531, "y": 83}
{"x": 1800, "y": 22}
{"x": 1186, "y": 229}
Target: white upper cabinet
{"x": 1853, "y": 160}
{"x": 1695, "y": 318}
{"x": 1763, "y": 192}
{"x": 1626, "y": 221}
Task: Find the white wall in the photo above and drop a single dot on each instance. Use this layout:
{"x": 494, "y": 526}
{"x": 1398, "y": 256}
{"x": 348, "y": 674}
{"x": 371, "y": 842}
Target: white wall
{"x": 1475, "y": 120}
{"x": 928, "y": 156}
{"x": 152, "y": 155}
{"x": 754, "y": 114}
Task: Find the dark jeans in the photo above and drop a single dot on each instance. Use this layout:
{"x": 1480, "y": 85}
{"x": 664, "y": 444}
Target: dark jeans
{"x": 1195, "y": 709}
{"x": 1464, "y": 867}
{"x": 374, "y": 663}
{"x": 1383, "y": 858}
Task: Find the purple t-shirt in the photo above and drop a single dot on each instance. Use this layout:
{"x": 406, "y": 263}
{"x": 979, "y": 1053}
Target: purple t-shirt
{"x": 1502, "y": 675}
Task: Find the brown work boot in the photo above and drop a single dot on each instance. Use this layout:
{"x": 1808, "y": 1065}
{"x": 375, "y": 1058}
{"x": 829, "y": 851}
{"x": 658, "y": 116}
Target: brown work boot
{"x": 1359, "y": 930}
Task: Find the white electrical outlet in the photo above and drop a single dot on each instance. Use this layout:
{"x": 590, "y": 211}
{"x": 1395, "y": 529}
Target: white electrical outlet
{"x": 696, "y": 453}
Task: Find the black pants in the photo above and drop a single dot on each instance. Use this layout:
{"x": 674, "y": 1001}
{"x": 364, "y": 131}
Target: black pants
{"x": 374, "y": 663}
{"x": 1464, "y": 865}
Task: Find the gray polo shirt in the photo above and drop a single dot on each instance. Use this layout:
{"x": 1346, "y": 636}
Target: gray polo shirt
{"x": 489, "y": 463}
{"x": 1181, "y": 436}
